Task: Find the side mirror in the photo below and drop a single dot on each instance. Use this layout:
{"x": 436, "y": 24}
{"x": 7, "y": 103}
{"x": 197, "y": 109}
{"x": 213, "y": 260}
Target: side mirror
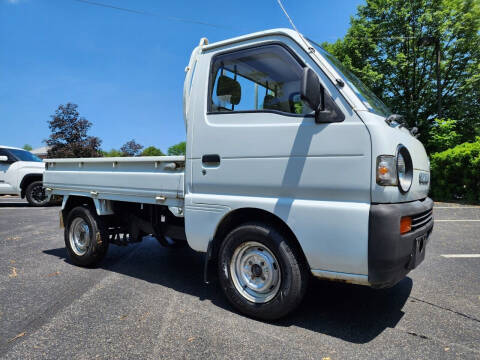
{"x": 312, "y": 91}
{"x": 3, "y": 158}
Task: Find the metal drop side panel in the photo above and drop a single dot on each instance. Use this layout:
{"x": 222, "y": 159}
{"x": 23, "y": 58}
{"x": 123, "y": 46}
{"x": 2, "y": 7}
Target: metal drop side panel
{"x": 153, "y": 180}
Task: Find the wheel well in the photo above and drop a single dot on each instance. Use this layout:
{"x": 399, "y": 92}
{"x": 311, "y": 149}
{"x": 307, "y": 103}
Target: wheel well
{"x": 27, "y": 180}
{"x": 241, "y": 216}
{"x": 74, "y": 201}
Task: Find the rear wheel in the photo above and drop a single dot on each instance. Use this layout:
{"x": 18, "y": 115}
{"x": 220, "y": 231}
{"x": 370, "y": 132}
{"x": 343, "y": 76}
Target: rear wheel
{"x": 86, "y": 239}
{"x": 261, "y": 272}
{"x": 35, "y": 194}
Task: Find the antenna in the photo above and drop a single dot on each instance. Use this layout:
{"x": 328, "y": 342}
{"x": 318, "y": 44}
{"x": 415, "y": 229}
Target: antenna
{"x": 307, "y": 44}
{"x": 309, "y": 47}
{"x": 288, "y": 16}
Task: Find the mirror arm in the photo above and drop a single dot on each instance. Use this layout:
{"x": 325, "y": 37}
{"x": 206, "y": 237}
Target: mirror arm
{"x": 321, "y": 106}
{"x": 322, "y": 98}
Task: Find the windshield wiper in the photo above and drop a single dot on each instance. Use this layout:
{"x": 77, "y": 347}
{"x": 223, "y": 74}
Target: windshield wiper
{"x": 395, "y": 120}
{"x": 399, "y": 120}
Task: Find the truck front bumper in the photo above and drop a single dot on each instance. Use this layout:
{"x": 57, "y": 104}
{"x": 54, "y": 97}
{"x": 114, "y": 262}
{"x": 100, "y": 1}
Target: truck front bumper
{"x": 392, "y": 255}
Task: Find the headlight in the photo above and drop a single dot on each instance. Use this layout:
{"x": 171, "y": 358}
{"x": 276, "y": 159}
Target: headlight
{"x": 404, "y": 169}
{"x": 395, "y": 170}
{"x": 386, "y": 170}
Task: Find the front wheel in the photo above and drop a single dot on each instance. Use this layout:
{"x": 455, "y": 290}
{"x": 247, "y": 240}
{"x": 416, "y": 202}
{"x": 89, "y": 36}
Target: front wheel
{"x": 86, "y": 239}
{"x": 261, "y": 272}
{"x": 35, "y": 194}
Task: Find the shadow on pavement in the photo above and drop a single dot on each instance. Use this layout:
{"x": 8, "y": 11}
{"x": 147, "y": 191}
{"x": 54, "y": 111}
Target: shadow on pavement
{"x": 15, "y": 204}
{"x": 353, "y": 313}
{"x": 18, "y": 204}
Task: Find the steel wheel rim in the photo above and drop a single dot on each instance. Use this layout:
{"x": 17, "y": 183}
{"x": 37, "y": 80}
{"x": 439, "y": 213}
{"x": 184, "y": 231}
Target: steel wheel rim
{"x": 79, "y": 236}
{"x": 255, "y": 272}
{"x": 38, "y": 194}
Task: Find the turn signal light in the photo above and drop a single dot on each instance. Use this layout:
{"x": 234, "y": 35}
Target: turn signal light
{"x": 405, "y": 224}
{"x": 383, "y": 170}
{"x": 386, "y": 170}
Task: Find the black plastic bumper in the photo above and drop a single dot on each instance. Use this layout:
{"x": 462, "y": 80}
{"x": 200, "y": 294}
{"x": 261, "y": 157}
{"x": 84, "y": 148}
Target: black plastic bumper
{"x": 392, "y": 255}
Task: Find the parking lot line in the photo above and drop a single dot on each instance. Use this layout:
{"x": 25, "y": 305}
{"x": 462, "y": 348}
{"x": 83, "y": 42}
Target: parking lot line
{"x": 461, "y": 256}
{"x": 457, "y": 207}
{"x": 474, "y": 220}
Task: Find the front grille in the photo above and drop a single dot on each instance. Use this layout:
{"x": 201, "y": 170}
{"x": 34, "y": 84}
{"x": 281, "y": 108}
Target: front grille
{"x": 421, "y": 219}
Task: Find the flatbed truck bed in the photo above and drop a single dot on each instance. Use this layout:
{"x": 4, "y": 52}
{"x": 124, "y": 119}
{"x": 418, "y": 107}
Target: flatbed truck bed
{"x": 148, "y": 179}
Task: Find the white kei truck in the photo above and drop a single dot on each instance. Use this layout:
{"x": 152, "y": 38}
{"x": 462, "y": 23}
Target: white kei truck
{"x": 293, "y": 168}
{"x": 21, "y": 173}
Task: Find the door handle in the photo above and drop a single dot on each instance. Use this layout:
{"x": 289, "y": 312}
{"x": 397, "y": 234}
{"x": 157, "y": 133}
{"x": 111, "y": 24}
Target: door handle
{"x": 211, "y": 159}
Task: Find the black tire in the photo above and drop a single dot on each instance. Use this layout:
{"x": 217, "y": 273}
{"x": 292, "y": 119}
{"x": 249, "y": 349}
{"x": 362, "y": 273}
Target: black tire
{"x": 294, "y": 273}
{"x": 35, "y": 194}
{"x": 96, "y": 240}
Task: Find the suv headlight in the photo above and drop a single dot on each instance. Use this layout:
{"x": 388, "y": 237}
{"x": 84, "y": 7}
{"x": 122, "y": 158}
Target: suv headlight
{"x": 404, "y": 169}
{"x": 395, "y": 170}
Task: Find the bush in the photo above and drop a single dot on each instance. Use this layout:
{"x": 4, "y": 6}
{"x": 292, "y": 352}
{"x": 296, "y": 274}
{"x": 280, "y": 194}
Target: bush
{"x": 456, "y": 173}
{"x": 112, "y": 153}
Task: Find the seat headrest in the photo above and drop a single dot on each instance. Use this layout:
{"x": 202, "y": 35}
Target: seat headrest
{"x": 270, "y": 102}
{"x": 228, "y": 86}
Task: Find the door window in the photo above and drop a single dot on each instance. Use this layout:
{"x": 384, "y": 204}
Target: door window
{"x": 265, "y": 78}
{"x": 4, "y": 152}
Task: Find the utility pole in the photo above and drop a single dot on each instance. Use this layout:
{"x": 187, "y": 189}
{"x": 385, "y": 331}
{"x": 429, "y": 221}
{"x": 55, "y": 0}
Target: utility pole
{"x": 435, "y": 40}
{"x": 439, "y": 83}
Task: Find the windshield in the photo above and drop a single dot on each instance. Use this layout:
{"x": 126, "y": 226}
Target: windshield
{"x": 23, "y": 155}
{"x": 369, "y": 99}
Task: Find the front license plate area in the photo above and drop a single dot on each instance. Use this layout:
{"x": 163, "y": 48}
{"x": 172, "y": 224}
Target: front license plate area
{"x": 418, "y": 251}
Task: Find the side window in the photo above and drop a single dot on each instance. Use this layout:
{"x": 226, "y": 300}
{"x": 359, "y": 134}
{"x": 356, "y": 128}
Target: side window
{"x": 4, "y": 152}
{"x": 256, "y": 79}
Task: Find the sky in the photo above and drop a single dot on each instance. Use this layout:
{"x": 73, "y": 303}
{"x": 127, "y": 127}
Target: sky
{"x": 125, "y": 70}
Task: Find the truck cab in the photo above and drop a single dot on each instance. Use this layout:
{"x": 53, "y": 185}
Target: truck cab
{"x": 293, "y": 168}
{"x": 21, "y": 173}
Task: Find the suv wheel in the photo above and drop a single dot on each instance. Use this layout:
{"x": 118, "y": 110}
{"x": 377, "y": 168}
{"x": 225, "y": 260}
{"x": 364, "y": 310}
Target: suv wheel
{"x": 35, "y": 194}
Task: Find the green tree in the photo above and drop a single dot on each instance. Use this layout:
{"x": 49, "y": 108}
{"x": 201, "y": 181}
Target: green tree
{"x": 152, "y": 151}
{"x": 27, "y": 147}
{"x": 69, "y": 136}
{"x": 394, "y": 47}
{"x": 443, "y": 135}
{"x": 177, "y": 149}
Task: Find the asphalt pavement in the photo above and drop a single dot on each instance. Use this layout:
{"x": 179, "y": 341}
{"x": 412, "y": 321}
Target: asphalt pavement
{"x": 149, "y": 302}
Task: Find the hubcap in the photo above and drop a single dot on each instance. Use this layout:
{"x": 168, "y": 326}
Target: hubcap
{"x": 79, "y": 236}
{"x": 255, "y": 272}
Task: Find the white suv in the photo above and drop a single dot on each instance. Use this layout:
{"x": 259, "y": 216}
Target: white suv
{"x": 21, "y": 173}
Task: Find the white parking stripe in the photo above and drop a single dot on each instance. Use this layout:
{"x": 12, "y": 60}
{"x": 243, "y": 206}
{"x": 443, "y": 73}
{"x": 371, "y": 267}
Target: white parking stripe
{"x": 461, "y": 256}
{"x": 457, "y": 220}
{"x": 456, "y": 207}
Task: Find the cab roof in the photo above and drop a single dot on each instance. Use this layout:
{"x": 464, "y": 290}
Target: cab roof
{"x": 10, "y": 147}
{"x": 279, "y": 31}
